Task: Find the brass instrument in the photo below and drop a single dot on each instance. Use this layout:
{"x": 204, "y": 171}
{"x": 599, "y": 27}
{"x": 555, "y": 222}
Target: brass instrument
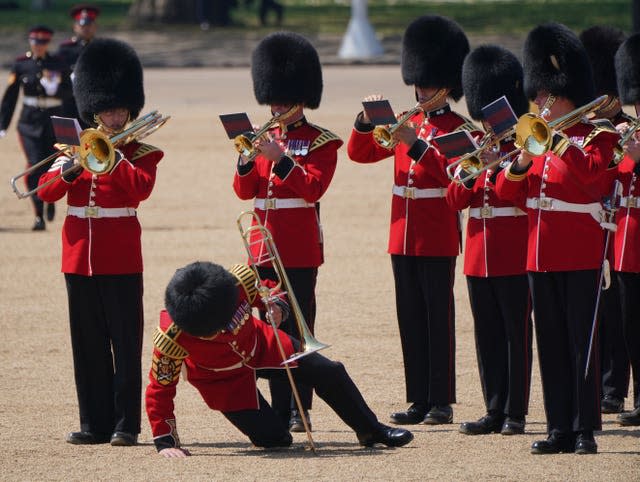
{"x": 268, "y": 253}
{"x": 244, "y": 142}
{"x": 96, "y": 152}
{"x": 383, "y": 135}
{"x": 533, "y": 135}
{"x": 632, "y": 128}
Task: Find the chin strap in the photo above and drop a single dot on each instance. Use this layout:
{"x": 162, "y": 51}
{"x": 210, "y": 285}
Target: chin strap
{"x": 436, "y": 99}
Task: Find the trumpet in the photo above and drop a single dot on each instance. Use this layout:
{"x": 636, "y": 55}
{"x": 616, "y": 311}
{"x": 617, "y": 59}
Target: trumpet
{"x": 533, "y": 135}
{"x": 632, "y": 128}
{"x": 96, "y": 152}
{"x": 257, "y": 233}
{"x": 244, "y": 142}
{"x": 383, "y": 135}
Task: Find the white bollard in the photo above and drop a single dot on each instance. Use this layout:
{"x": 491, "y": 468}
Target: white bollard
{"x": 360, "y": 41}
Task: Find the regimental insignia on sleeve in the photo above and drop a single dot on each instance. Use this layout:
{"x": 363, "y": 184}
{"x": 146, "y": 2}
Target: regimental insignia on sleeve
{"x": 247, "y": 279}
{"x": 143, "y": 150}
{"x": 324, "y": 137}
{"x": 165, "y": 370}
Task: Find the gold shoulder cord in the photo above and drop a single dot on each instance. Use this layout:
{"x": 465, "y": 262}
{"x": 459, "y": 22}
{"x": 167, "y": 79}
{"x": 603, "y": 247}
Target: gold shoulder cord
{"x": 167, "y": 345}
{"x": 324, "y": 137}
{"x": 247, "y": 279}
{"x": 143, "y": 150}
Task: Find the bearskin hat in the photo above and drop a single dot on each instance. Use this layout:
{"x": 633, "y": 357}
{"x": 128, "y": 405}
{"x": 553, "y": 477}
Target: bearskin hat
{"x": 433, "y": 49}
{"x": 627, "y": 63}
{"x": 286, "y": 69}
{"x": 201, "y": 298}
{"x": 488, "y": 73}
{"x": 556, "y": 62}
{"x": 602, "y": 43}
{"x": 108, "y": 75}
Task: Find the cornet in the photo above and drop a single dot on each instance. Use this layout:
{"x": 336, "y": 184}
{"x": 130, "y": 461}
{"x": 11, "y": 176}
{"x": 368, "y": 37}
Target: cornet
{"x": 96, "y": 152}
{"x": 383, "y": 135}
{"x": 244, "y": 142}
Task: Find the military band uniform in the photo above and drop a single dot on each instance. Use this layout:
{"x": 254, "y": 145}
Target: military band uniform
{"x": 224, "y": 364}
{"x": 424, "y": 237}
{"x": 565, "y": 242}
{"x": 286, "y": 194}
{"x": 102, "y": 253}
{"x": 495, "y": 255}
{"x": 45, "y": 85}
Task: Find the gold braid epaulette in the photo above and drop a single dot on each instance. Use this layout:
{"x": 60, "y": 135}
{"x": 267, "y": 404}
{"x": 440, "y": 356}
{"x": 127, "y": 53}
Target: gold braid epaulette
{"x": 599, "y": 128}
{"x": 467, "y": 125}
{"x": 559, "y": 145}
{"x": 247, "y": 279}
{"x": 143, "y": 150}
{"x": 167, "y": 345}
{"x": 324, "y": 137}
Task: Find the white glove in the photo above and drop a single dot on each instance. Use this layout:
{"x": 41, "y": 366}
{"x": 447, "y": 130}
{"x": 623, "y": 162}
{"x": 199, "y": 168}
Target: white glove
{"x": 2, "y": 133}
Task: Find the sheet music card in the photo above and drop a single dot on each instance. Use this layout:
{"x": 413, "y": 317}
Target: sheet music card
{"x": 379, "y": 112}
{"x": 236, "y": 124}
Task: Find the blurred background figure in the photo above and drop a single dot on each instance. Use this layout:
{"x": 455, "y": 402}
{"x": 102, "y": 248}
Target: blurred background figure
{"x": 266, "y": 6}
{"x": 214, "y": 12}
{"x": 45, "y": 85}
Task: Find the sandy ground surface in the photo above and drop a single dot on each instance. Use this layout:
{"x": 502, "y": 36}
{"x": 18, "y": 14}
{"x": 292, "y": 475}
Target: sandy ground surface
{"x": 191, "y": 216}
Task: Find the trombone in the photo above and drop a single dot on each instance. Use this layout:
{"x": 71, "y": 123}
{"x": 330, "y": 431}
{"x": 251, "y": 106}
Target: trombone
{"x": 632, "y": 128}
{"x": 533, "y": 134}
{"x": 383, "y": 135}
{"x": 244, "y": 142}
{"x": 96, "y": 152}
{"x": 269, "y": 253}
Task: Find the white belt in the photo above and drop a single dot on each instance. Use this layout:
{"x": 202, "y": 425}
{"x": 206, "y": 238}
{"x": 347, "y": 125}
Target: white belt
{"x": 276, "y": 203}
{"x": 550, "y": 204}
{"x": 98, "y": 212}
{"x": 42, "y": 102}
{"x": 630, "y": 202}
{"x": 493, "y": 212}
{"x": 415, "y": 193}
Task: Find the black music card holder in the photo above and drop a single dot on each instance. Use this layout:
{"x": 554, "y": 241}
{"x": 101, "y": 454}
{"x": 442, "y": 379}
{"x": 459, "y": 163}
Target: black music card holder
{"x": 499, "y": 115}
{"x": 379, "y": 112}
{"x": 236, "y": 124}
{"x": 455, "y": 144}
{"x": 67, "y": 130}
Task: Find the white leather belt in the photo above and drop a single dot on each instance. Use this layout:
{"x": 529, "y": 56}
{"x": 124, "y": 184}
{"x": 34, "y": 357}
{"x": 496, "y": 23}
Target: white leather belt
{"x": 98, "y": 212}
{"x": 42, "y": 102}
{"x": 415, "y": 193}
{"x": 551, "y": 204}
{"x": 630, "y": 202}
{"x": 492, "y": 212}
{"x": 276, "y": 203}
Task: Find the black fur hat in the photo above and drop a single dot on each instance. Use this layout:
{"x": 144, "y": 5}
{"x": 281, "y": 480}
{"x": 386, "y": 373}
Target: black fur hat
{"x": 201, "y": 298}
{"x": 556, "y": 62}
{"x": 108, "y": 75}
{"x": 286, "y": 69}
{"x": 628, "y": 70}
{"x": 489, "y": 72}
{"x": 602, "y": 43}
{"x": 433, "y": 49}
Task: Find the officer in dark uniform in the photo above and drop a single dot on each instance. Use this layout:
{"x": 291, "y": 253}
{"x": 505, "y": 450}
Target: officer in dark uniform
{"x": 84, "y": 28}
{"x": 601, "y": 43}
{"x": 45, "y": 86}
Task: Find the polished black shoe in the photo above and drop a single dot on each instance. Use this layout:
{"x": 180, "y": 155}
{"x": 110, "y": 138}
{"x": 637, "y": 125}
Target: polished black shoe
{"x": 488, "y": 424}
{"x": 389, "y": 436}
{"x": 87, "y": 438}
{"x": 611, "y": 404}
{"x": 555, "y": 444}
{"x": 586, "y": 444}
{"x": 630, "y": 418}
{"x": 439, "y": 415}
{"x": 295, "y": 422}
{"x": 413, "y": 415}
{"x": 38, "y": 224}
{"x": 513, "y": 426}
{"x": 124, "y": 439}
{"x": 51, "y": 211}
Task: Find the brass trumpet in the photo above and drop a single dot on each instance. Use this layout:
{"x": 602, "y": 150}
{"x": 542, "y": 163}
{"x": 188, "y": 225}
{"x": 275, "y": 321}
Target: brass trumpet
{"x": 533, "y": 135}
{"x": 383, "y": 135}
{"x": 632, "y": 128}
{"x": 244, "y": 142}
{"x": 96, "y": 152}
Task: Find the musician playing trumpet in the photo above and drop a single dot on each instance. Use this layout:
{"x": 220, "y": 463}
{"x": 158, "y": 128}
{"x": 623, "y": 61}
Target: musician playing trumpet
{"x": 293, "y": 169}
{"x": 101, "y": 248}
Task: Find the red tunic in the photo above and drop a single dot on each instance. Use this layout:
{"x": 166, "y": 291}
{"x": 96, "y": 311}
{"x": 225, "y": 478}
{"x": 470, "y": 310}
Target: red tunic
{"x": 495, "y": 245}
{"x": 296, "y": 231}
{"x": 222, "y": 368}
{"x": 627, "y": 237}
{"x": 92, "y": 246}
{"x": 419, "y": 227}
{"x": 560, "y": 240}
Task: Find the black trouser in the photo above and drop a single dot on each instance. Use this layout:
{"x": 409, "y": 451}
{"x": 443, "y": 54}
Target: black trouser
{"x": 106, "y": 318}
{"x": 426, "y": 319}
{"x": 563, "y": 307}
{"x": 303, "y": 284}
{"x": 501, "y": 308}
{"x": 36, "y": 149}
{"x": 629, "y": 295}
{"x": 332, "y": 383}
{"x": 614, "y": 361}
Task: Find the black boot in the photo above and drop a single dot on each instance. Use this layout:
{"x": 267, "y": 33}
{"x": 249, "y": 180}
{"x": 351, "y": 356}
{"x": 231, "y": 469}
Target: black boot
{"x": 413, "y": 415}
{"x": 391, "y": 437}
{"x": 487, "y": 424}
{"x": 555, "y": 444}
{"x": 38, "y": 225}
{"x": 585, "y": 443}
{"x": 439, "y": 415}
{"x": 630, "y": 418}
